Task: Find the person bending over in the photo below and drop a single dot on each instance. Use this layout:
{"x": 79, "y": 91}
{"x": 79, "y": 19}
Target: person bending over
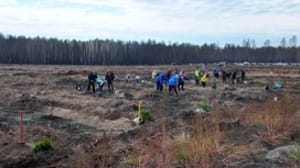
{"x": 204, "y": 80}
{"x": 100, "y": 82}
{"x": 172, "y": 82}
{"x": 160, "y": 81}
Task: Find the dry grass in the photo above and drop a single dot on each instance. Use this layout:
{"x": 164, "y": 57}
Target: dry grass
{"x": 99, "y": 154}
{"x": 200, "y": 146}
{"x": 83, "y": 160}
{"x": 234, "y": 155}
{"x": 8, "y": 97}
{"x": 153, "y": 151}
{"x": 278, "y": 117}
{"x": 194, "y": 148}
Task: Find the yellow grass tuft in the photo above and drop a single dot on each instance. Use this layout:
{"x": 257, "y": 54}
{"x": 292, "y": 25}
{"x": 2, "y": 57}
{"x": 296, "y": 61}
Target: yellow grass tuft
{"x": 201, "y": 145}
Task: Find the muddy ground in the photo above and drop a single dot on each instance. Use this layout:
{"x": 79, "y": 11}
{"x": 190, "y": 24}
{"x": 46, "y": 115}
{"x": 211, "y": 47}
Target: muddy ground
{"x": 88, "y": 129}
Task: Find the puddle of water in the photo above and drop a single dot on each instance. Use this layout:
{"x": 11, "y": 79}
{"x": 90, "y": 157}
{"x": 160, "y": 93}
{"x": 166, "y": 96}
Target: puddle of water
{"x": 26, "y": 117}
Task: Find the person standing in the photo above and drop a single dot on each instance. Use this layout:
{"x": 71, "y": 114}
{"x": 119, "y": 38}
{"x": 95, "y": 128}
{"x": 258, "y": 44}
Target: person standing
{"x": 181, "y": 79}
{"x": 110, "y": 78}
{"x": 154, "y": 74}
{"x": 216, "y": 73}
{"x": 233, "y": 77}
{"x": 197, "y": 75}
{"x": 224, "y": 76}
{"x": 91, "y": 79}
{"x": 243, "y": 76}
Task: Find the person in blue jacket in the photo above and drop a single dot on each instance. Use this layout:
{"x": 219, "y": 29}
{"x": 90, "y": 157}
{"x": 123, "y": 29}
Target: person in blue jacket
{"x": 216, "y": 73}
{"x": 160, "y": 81}
{"x": 100, "y": 82}
{"x": 172, "y": 82}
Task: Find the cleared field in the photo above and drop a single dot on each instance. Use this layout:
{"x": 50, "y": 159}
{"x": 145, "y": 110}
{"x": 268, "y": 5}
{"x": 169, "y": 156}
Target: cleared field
{"x": 97, "y": 131}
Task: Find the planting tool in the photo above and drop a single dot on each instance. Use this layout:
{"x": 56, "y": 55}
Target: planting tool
{"x": 138, "y": 119}
{"x": 21, "y": 127}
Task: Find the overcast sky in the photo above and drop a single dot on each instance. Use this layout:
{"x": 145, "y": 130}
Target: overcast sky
{"x": 192, "y": 21}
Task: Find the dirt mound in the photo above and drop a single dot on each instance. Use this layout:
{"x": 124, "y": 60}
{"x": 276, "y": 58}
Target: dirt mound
{"x": 29, "y": 74}
{"x": 65, "y": 124}
{"x": 125, "y": 95}
{"x": 27, "y": 102}
{"x": 67, "y": 82}
{"x": 244, "y": 95}
{"x": 68, "y": 73}
{"x": 148, "y": 95}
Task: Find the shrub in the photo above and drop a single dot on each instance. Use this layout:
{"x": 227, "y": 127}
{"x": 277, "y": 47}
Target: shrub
{"x": 43, "y": 145}
{"x": 203, "y": 106}
{"x": 180, "y": 157}
{"x": 146, "y": 114}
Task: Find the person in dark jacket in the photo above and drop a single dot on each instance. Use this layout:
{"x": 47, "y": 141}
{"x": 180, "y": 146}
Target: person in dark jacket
{"x": 160, "y": 81}
{"x": 233, "y": 77}
{"x": 109, "y": 77}
{"x": 229, "y": 75}
{"x": 216, "y": 73}
{"x": 181, "y": 79}
{"x": 169, "y": 74}
{"x": 224, "y": 76}
{"x": 92, "y": 79}
{"x": 243, "y": 76}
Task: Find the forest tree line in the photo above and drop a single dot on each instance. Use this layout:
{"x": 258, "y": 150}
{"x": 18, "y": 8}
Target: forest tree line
{"x": 25, "y": 50}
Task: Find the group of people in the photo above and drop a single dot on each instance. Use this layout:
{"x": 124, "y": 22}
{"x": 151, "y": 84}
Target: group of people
{"x": 234, "y": 76}
{"x": 201, "y": 76}
{"x": 93, "y": 79}
{"x": 172, "y": 79}
{"x": 136, "y": 79}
